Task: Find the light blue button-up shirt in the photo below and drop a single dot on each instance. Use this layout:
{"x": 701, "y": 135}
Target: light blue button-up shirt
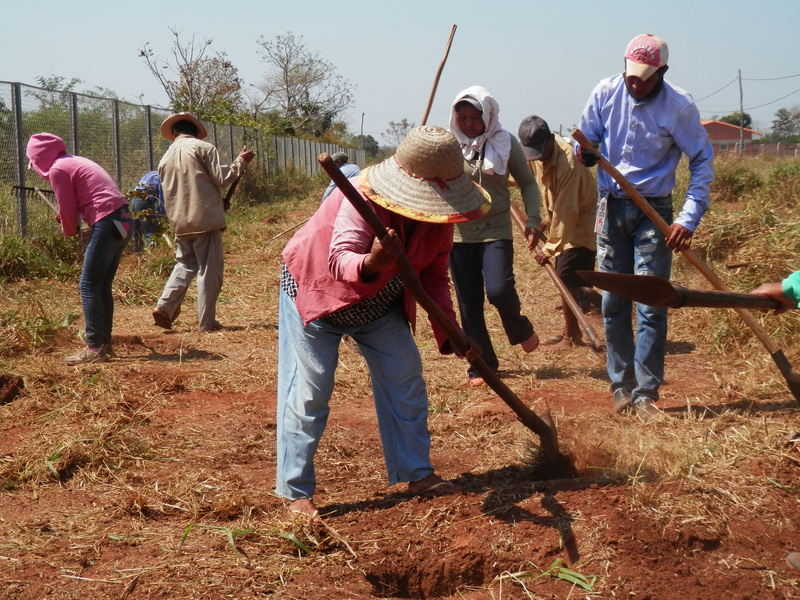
{"x": 348, "y": 170}
{"x": 645, "y": 139}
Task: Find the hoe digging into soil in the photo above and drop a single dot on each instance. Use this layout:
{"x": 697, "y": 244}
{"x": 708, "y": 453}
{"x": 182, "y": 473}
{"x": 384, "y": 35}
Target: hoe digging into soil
{"x": 594, "y": 342}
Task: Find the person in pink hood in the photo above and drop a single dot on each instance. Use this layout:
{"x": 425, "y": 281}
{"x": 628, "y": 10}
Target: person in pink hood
{"x": 85, "y": 191}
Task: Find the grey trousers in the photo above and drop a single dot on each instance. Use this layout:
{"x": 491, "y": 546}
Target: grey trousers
{"x": 198, "y": 254}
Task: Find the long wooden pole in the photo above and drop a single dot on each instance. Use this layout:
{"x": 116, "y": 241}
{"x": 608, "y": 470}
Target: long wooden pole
{"x": 438, "y": 75}
{"x": 792, "y": 378}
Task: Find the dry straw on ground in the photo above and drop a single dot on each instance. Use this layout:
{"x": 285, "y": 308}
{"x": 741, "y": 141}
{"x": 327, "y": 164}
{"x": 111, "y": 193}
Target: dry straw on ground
{"x": 151, "y": 476}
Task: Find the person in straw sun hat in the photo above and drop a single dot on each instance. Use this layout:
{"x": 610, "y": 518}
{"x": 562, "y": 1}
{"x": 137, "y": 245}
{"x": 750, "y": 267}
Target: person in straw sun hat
{"x": 337, "y": 279}
{"x": 192, "y": 179}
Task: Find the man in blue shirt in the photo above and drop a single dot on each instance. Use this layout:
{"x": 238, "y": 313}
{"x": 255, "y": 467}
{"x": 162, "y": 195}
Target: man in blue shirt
{"x": 150, "y": 197}
{"x": 643, "y": 125}
{"x": 349, "y": 170}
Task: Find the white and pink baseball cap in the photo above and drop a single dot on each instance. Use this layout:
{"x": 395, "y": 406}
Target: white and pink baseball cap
{"x": 646, "y": 53}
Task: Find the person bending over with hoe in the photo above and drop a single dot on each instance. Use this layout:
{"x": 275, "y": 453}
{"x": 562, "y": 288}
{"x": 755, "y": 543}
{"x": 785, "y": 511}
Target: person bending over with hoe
{"x": 569, "y": 197}
{"x": 643, "y": 125}
{"x": 83, "y": 189}
{"x": 338, "y": 279}
{"x": 191, "y": 178}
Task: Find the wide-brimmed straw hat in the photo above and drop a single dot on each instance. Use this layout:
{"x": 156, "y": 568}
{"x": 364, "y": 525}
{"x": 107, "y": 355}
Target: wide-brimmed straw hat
{"x": 425, "y": 180}
{"x": 166, "y": 126}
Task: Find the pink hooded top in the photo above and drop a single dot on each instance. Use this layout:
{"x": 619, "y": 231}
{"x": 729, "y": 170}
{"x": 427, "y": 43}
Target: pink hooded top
{"x": 81, "y": 186}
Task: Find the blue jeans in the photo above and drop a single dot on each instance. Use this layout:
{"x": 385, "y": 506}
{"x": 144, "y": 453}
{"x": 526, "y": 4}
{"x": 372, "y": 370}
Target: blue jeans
{"x": 632, "y": 244}
{"x": 100, "y": 263}
{"x": 145, "y": 227}
{"x": 307, "y": 359}
{"x": 491, "y": 264}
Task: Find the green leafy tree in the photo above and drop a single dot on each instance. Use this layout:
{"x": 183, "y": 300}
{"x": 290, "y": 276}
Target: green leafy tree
{"x": 370, "y": 145}
{"x": 737, "y": 119}
{"x": 785, "y": 125}
{"x": 52, "y": 95}
{"x": 208, "y": 86}
{"x": 397, "y": 132}
{"x": 300, "y": 87}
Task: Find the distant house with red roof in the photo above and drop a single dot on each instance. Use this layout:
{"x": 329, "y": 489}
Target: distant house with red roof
{"x": 725, "y": 137}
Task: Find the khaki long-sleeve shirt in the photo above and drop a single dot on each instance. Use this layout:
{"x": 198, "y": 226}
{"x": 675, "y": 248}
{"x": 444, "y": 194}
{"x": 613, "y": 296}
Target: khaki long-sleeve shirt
{"x": 192, "y": 178}
{"x": 569, "y": 198}
{"x": 496, "y": 225}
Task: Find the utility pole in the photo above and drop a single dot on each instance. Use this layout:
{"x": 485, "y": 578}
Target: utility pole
{"x": 741, "y": 115}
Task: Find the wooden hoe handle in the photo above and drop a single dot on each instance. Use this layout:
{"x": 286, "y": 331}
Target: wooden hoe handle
{"x": 412, "y": 283}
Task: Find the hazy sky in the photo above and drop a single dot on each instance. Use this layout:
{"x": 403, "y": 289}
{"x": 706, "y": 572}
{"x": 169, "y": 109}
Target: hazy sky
{"x": 535, "y": 57}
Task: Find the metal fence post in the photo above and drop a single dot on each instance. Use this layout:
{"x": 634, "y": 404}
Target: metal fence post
{"x": 73, "y": 121}
{"x": 19, "y": 159}
{"x": 117, "y": 145}
{"x": 149, "y": 130}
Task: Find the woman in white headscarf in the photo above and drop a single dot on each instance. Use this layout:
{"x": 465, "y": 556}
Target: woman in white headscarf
{"x": 483, "y": 252}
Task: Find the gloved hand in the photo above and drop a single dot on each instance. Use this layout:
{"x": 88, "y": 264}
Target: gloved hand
{"x": 587, "y": 158}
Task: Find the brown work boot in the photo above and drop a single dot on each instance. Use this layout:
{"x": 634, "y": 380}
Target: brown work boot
{"x": 647, "y": 410}
{"x": 622, "y": 400}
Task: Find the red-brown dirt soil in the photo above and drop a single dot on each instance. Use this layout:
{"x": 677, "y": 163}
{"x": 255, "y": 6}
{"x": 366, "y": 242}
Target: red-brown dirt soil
{"x": 152, "y": 475}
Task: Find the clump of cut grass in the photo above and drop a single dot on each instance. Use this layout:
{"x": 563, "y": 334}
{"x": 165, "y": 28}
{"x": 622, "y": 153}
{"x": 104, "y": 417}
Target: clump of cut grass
{"x": 52, "y": 256}
{"x": 30, "y": 325}
{"x": 677, "y": 467}
{"x": 750, "y": 235}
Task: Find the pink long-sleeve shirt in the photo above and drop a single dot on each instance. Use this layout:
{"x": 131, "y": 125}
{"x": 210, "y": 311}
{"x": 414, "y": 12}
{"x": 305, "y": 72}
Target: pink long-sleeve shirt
{"x": 82, "y": 187}
{"x": 327, "y": 255}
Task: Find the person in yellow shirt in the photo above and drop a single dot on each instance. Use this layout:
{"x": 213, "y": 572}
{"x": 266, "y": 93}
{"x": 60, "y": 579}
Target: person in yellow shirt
{"x": 569, "y": 200}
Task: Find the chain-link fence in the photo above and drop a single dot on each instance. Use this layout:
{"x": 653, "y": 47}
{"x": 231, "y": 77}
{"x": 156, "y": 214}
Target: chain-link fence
{"x": 121, "y": 137}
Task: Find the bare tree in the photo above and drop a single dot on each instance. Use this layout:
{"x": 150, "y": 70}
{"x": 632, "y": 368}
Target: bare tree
{"x": 206, "y": 85}
{"x": 301, "y": 87}
{"x": 397, "y": 132}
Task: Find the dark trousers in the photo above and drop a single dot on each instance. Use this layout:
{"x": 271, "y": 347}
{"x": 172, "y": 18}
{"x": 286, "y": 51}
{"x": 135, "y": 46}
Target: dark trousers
{"x": 488, "y": 265}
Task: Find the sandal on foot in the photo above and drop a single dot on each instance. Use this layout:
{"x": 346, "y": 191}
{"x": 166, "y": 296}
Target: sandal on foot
{"x": 564, "y": 344}
{"x": 433, "y": 484}
{"x": 161, "y": 318}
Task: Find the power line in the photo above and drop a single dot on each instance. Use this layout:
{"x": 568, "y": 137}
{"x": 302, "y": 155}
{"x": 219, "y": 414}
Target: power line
{"x": 771, "y": 78}
{"x": 774, "y": 101}
{"x": 719, "y": 90}
{"x": 740, "y": 79}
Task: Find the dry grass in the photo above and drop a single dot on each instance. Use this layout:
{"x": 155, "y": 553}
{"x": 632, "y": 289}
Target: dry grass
{"x": 720, "y": 456}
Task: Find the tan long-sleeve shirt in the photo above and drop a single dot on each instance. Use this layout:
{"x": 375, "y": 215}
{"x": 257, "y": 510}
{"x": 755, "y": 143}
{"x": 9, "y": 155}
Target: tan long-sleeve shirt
{"x": 192, "y": 178}
{"x": 569, "y": 198}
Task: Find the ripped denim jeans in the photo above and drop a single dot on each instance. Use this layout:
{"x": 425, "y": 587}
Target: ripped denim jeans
{"x": 632, "y": 244}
